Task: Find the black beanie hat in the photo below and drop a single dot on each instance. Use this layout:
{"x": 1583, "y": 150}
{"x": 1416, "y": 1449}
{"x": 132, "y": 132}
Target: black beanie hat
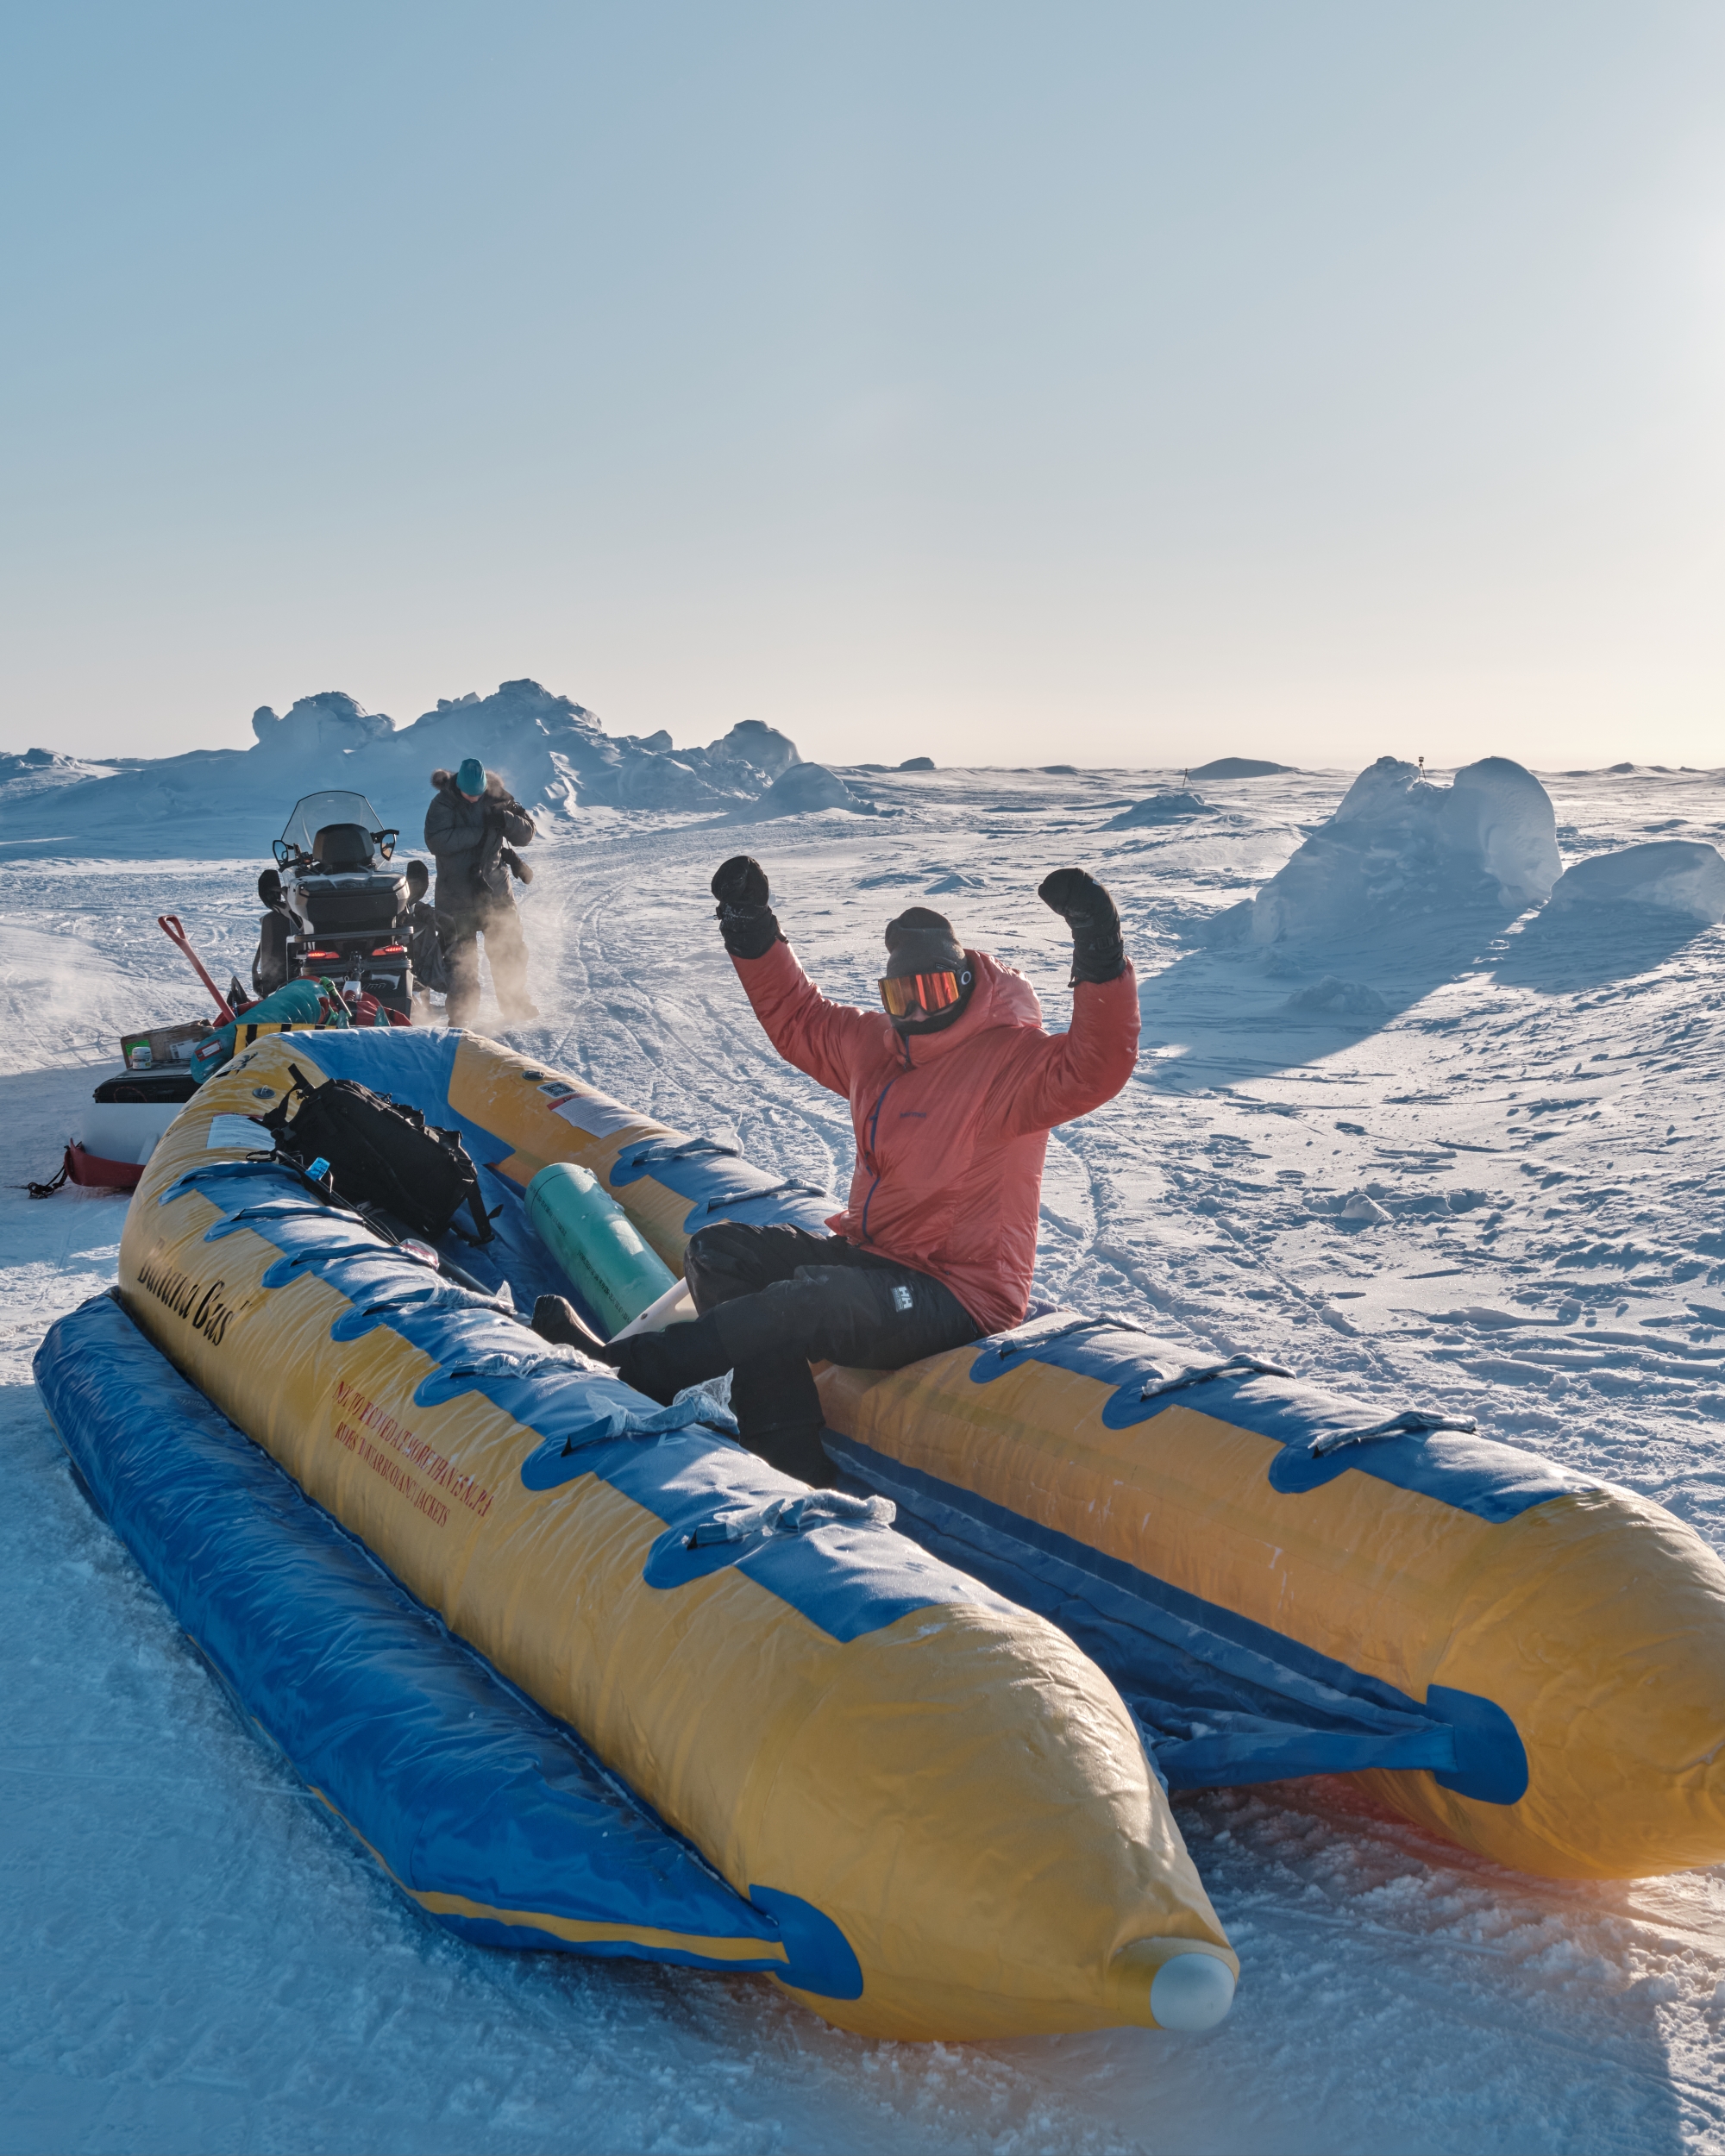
{"x": 921, "y": 941}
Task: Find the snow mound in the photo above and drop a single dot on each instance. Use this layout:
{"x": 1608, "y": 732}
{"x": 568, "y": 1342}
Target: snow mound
{"x": 1239, "y": 768}
{"x": 806, "y": 788}
{"x": 552, "y": 753}
{"x": 1399, "y": 843}
{"x": 34, "y": 770}
{"x": 656, "y": 782}
{"x": 545, "y": 747}
{"x": 1361, "y": 1205}
{"x": 1159, "y": 808}
{"x": 1676, "y": 875}
{"x": 918, "y": 764}
{"x": 762, "y": 748}
{"x": 1500, "y": 811}
{"x": 1346, "y": 999}
{"x": 328, "y": 724}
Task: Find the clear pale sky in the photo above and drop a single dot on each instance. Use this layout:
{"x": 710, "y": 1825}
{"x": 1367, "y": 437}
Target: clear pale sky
{"x": 1307, "y": 379}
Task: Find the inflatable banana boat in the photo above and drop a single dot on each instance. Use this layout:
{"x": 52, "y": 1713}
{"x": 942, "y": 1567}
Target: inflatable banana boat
{"x": 1282, "y": 1581}
{"x": 619, "y": 1687}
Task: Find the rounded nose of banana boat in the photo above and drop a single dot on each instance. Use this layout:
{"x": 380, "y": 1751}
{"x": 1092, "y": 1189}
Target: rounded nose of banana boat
{"x": 1187, "y": 1987}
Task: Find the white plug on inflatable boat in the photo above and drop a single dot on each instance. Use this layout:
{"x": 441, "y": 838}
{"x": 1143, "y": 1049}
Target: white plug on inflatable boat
{"x": 675, "y": 1307}
{"x": 1191, "y": 1992}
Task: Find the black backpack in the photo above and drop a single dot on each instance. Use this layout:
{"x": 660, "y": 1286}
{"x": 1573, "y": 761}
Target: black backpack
{"x": 380, "y": 1155}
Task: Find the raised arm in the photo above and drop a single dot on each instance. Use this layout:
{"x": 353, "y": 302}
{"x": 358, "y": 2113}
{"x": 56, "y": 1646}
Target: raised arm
{"x": 820, "y": 1037}
{"x": 1066, "y": 1074}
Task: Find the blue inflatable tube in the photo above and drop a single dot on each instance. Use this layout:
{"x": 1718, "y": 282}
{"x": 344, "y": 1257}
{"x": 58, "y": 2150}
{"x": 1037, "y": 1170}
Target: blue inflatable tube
{"x": 492, "y": 1816}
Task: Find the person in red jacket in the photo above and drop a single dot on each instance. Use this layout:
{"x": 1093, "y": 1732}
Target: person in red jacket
{"x": 953, "y": 1087}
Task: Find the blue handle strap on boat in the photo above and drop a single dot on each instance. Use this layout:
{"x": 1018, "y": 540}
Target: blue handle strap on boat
{"x": 1021, "y": 1340}
{"x": 772, "y": 1190}
{"x": 505, "y": 1363}
{"x": 438, "y": 1294}
{"x": 277, "y": 1171}
{"x": 269, "y": 1212}
{"x": 656, "y": 1152}
{"x": 1413, "y": 1422}
{"x": 1236, "y": 1366}
{"x": 325, "y": 1254}
{"x": 545, "y": 1468}
{"x": 792, "y": 1516}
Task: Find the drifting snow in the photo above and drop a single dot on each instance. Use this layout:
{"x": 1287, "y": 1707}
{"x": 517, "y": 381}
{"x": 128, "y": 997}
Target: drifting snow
{"x": 1399, "y": 843}
{"x": 1673, "y": 875}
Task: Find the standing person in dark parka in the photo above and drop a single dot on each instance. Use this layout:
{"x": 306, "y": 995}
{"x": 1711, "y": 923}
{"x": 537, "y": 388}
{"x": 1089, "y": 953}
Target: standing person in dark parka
{"x": 472, "y": 827}
{"x": 953, "y": 1087}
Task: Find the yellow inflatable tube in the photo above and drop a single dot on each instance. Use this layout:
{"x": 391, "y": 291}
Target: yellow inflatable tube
{"x": 1528, "y": 1661}
{"x": 1567, "y": 1638}
{"x": 944, "y": 1801}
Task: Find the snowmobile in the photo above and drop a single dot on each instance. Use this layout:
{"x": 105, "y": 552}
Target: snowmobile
{"x": 337, "y": 907}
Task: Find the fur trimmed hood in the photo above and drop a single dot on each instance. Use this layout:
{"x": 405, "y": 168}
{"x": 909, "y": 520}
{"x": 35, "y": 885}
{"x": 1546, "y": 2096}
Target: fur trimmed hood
{"x": 465, "y": 835}
{"x": 495, "y": 789}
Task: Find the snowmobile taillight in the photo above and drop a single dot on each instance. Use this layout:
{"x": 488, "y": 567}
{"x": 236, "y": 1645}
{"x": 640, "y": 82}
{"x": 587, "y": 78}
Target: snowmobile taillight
{"x": 389, "y": 951}
{"x": 324, "y": 954}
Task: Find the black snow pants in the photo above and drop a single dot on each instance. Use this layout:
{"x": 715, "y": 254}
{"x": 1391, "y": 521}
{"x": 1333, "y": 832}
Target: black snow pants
{"x": 772, "y": 1301}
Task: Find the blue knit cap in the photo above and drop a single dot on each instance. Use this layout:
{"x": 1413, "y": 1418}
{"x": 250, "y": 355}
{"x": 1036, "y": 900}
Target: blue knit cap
{"x": 471, "y": 776}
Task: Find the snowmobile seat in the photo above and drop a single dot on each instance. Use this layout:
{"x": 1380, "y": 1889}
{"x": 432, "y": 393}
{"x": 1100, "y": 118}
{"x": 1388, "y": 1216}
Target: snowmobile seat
{"x": 341, "y": 846}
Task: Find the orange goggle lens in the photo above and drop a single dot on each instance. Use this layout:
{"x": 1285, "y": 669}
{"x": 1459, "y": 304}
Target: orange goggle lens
{"x": 928, "y": 992}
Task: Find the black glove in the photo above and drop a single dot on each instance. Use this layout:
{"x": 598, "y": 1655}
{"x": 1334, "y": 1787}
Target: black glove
{"x": 1098, "y": 951}
{"x": 748, "y": 924}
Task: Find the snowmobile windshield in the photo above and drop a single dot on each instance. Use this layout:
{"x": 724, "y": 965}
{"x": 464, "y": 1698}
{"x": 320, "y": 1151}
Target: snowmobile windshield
{"x": 329, "y": 812}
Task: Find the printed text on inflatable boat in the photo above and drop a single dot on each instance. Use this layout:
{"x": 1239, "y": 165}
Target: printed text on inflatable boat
{"x": 368, "y": 1415}
{"x": 202, "y": 1307}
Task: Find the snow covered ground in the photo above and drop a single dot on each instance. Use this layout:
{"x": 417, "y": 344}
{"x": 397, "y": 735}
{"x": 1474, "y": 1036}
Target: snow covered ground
{"x": 1525, "y": 1114}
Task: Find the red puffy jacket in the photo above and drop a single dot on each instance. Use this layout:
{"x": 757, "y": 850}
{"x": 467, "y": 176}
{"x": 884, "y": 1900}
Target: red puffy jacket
{"x": 952, "y": 1128}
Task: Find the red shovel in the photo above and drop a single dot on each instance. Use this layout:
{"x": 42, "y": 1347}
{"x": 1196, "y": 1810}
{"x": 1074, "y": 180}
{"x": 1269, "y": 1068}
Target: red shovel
{"x": 169, "y": 927}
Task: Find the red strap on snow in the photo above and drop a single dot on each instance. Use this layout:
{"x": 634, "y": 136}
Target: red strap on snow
{"x": 92, "y": 1171}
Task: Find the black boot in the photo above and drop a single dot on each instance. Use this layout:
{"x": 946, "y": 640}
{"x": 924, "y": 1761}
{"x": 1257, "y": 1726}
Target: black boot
{"x": 795, "y": 1449}
{"x": 662, "y": 1364}
{"x": 555, "y": 1319}
{"x": 779, "y": 1415}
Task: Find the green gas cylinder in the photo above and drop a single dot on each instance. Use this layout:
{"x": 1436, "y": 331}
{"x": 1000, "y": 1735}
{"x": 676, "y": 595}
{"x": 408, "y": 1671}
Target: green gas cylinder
{"x": 591, "y": 1238}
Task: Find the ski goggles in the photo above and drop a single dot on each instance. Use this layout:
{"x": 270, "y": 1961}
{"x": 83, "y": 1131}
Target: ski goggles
{"x": 930, "y": 994}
